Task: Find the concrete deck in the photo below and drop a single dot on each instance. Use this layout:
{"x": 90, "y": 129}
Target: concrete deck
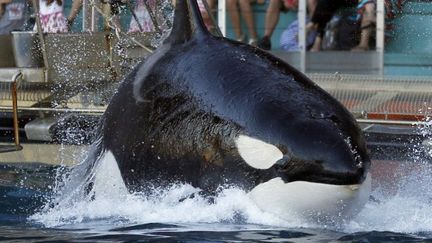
{"x": 53, "y": 154}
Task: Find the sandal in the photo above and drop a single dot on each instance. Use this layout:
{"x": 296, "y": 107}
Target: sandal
{"x": 241, "y": 38}
{"x": 253, "y": 41}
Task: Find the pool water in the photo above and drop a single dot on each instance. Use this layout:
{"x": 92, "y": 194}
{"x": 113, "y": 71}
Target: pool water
{"x": 30, "y": 211}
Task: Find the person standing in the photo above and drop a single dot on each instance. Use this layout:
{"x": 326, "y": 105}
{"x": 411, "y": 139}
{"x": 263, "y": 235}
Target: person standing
{"x": 324, "y": 11}
{"x": 274, "y": 9}
{"x": 367, "y": 17}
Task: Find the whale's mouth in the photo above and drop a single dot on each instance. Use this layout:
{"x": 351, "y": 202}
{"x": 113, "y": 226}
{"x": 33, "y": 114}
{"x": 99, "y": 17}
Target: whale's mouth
{"x": 311, "y": 201}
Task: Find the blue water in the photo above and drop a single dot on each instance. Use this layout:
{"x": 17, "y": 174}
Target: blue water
{"x": 29, "y": 212}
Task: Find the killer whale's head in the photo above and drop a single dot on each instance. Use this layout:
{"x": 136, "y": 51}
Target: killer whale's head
{"x": 308, "y": 150}
{"x": 317, "y": 167}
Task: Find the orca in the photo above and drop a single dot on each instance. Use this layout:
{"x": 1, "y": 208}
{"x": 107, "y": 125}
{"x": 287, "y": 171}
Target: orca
{"x": 212, "y": 112}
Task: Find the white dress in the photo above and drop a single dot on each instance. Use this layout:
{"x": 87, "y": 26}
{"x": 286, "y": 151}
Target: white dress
{"x": 52, "y": 18}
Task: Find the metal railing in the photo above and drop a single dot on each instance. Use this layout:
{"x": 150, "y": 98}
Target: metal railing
{"x": 17, "y": 146}
{"x": 380, "y": 98}
{"x": 370, "y": 97}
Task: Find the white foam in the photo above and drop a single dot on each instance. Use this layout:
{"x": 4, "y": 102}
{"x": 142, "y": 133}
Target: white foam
{"x": 163, "y": 206}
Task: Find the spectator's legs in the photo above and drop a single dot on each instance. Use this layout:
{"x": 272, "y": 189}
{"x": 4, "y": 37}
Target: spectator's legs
{"x": 317, "y": 44}
{"x": 233, "y": 11}
{"x": 211, "y": 3}
{"x": 271, "y": 20}
{"x": 311, "y": 5}
{"x": 368, "y": 18}
{"x": 76, "y": 7}
{"x": 272, "y": 17}
{"x": 247, "y": 13}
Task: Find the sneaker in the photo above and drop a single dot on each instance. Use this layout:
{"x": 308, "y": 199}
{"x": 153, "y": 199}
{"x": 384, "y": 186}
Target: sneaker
{"x": 241, "y": 38}
{"x": 265, "y": 43}
{"x": 253, "y": 41}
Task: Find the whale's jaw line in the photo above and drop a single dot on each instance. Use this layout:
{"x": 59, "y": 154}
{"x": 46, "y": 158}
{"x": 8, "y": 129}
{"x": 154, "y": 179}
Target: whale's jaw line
{"x": 310, "y": 201}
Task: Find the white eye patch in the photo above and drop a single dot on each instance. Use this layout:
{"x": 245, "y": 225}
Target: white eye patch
{"x": 257, "y": 153}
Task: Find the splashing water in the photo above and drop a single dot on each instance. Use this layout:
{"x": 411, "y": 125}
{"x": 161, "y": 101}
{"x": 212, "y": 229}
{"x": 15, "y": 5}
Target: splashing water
{"x": 174, "y": 204}
{"x": 164, "y": 206}
{"x": 405, "y": 208}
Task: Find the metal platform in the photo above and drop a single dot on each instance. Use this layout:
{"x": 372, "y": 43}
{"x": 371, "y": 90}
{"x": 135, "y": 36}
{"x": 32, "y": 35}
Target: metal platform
{"x": 45, "y": 153}
{"x": 31, "y": 75}
{"x": 5, "y": 148}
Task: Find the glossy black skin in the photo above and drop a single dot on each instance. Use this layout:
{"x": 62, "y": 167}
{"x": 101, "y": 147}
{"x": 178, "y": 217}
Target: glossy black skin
{"x": 179, "y": 120}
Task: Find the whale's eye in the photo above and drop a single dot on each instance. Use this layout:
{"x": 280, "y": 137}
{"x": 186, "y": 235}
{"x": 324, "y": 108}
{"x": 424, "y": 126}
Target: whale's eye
{"x": 283, "y": 163}
{"x": 257, "y": 153}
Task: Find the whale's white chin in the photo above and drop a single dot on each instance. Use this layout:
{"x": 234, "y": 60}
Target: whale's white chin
{"x": 312, "y": 202}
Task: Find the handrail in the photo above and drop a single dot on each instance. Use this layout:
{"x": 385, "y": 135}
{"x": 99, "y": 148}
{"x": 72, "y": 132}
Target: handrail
{"x": 65, "y": 110}
{"x": 16, "y": 78}
{"x": 390, "y": 122}
{"x": 3, "y": 149}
